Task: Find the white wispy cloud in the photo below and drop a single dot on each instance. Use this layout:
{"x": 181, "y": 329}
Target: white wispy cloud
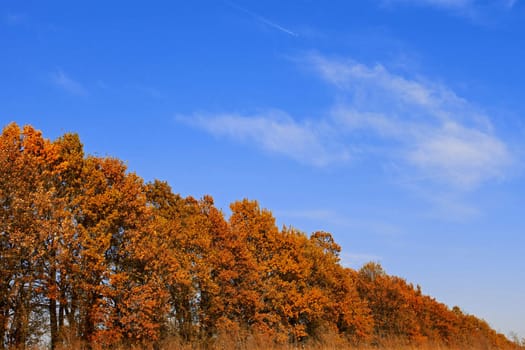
{"x": 431, "y": 128}
{"x": 62, "y": 80}
{"x": 424, "y": 127}
{"x": 463, "y": 156}
{"x": 276, "y": 132}
{"x": 373, "y": 87}
{"x": 469, "y": 8}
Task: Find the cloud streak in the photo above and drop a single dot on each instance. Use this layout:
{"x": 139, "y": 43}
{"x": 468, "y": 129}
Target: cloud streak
{"x": 469, "y": 8}
{"x": 434, "y": 131}
{"x": 274, "y": 132}
{"x": 424, "y": 128}
{"x": 62, "y": 80}
{"x": 262, "y": 19}
{"x": 463, "y": 156}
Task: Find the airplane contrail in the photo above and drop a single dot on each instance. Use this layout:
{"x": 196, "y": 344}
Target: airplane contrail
{"x": 262, "y": 19}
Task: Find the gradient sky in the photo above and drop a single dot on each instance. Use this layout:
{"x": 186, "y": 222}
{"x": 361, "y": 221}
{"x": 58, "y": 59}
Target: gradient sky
{"x": 397, "y": 125}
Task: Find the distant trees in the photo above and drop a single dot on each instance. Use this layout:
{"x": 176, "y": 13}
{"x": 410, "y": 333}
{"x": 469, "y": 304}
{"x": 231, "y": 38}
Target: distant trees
{"x": 90, "y": 252}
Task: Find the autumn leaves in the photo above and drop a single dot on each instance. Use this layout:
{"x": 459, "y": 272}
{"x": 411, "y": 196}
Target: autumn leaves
{"x": 90, "y": 252}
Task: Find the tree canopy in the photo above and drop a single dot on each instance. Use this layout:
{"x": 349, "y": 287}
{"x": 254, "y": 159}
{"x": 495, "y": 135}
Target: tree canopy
{"x": 89, "y": 251}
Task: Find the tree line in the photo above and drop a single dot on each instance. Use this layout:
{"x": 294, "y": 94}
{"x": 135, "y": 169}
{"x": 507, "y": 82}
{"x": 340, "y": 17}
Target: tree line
{"x": 90, "y": 252}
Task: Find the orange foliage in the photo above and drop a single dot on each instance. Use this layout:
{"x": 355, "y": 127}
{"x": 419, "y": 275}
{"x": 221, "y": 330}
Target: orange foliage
{"x": 89, "y": 252}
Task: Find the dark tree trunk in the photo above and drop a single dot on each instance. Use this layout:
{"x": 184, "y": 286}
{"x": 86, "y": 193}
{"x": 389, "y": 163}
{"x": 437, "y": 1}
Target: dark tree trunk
{"x": 53, "y": 322}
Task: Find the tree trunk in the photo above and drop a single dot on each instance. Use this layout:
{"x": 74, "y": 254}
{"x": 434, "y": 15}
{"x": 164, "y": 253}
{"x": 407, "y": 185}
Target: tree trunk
{"x": 53, "y": 321}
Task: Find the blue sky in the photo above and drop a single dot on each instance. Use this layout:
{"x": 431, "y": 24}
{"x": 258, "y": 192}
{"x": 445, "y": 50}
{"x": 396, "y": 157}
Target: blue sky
{"x": 397, "y": 125}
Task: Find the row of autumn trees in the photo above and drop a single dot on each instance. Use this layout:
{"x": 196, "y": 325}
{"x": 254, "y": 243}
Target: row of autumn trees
{"x": 88, "y": 251}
